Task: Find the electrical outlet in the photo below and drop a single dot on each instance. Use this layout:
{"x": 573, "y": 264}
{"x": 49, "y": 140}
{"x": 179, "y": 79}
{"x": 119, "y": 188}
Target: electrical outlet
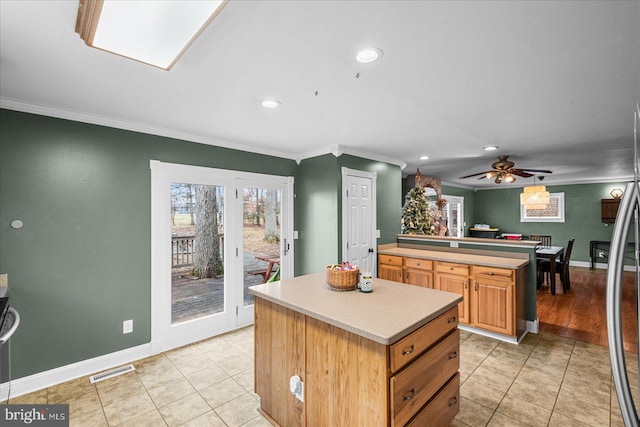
{"x": 127, "y": 326}
{"x": 601, "y": 255}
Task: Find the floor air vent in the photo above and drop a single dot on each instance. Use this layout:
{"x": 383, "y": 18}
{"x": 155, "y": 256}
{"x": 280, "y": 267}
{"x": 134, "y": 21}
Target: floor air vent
{"x": 112, "y": 373}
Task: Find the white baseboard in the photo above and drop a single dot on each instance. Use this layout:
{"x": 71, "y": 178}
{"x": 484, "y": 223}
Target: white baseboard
{"x": 505, "y": 338}
{"x": 598, "y": 265}
{"x": 533, "y": 326}
{"x": 62, "y": 374}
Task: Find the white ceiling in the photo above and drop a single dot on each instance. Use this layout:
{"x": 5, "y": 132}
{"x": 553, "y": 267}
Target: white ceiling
{"x": 554, "y": 84}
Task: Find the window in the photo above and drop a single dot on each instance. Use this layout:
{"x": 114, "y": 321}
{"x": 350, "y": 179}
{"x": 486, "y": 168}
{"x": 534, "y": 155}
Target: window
{"x": 554, "y": 212}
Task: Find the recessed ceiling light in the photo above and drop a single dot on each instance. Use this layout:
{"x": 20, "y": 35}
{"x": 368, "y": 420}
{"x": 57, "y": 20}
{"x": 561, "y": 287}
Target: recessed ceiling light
{"x": 270, "y": 103}
{"x": 490, "y": 148}
{"x": 368, "y": 55}
{"x": 424, "y": 157}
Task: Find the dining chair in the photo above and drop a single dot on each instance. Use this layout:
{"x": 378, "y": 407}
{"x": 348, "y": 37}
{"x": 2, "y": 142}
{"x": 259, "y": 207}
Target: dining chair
{"x": 562, "y": 266}
{"x": 545, "y": 240}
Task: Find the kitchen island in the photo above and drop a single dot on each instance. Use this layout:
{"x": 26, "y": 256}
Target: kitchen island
{"x": 386, "y": 358}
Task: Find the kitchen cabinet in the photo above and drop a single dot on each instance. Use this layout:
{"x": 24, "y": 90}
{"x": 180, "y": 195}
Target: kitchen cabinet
{"x": 454, "y": 277}
{"x": 493, "y": 296}
{"x": 390, "y": 268}
{"x": 413, "y": 271}
{"x": 354, "y": 368}
{"x": 418, "y": 272}
{"x": 493, "y": 299}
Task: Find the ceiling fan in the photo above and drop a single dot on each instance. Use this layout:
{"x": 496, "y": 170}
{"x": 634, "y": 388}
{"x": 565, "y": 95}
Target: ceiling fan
{"x": 503, "y": 170}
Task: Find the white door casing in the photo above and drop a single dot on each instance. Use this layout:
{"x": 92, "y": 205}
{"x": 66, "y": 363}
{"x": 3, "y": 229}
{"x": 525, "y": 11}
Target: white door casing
{"x": 359, "y": 219}
{"x": 164, "y": 334}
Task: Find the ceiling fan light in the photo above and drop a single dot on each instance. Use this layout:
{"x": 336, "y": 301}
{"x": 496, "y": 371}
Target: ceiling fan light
{"x": 510, "y": 178}
{"x": 498, "y": 179}
{"x": 491, "y": 175}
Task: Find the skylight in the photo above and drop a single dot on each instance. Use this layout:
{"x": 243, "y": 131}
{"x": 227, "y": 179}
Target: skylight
{"x": 153, "y": 32}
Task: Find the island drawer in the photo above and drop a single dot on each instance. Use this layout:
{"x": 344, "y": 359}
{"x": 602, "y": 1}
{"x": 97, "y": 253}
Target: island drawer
{"x": 410, "y": 347}
{"x": 494, "y": 273}
{"x": 414, "y": 386}
{"x": 452, "y": 268}
{"x": 442, "y": 408}
{"x": 420, "y": 263}
{"x": 390, "y": 259}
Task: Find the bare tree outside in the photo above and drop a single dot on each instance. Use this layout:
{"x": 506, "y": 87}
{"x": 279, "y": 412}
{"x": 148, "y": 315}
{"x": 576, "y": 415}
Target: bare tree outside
{"x": 271, "y": 233}
{"x": 206, "y": 262}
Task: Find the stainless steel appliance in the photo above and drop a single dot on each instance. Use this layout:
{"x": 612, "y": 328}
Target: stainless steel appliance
{"x": 629, "y": 210}
{"x": 9, "y": 321}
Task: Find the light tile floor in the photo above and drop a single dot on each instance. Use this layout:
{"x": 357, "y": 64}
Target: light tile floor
{"x": 545, "y": 381}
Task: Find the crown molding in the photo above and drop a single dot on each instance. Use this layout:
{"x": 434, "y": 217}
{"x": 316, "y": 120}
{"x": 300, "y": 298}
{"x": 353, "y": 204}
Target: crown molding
{"x": 43, "y": 110}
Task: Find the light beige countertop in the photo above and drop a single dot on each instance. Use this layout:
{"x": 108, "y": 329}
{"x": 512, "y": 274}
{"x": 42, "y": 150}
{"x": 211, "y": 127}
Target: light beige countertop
{"x": 385, "y": 315}
{"x": 461, "y": 258}
{"x": 470, "y": 240}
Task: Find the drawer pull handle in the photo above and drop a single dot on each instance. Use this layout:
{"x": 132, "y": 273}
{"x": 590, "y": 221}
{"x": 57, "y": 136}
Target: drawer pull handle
{"x": 453, "y": 401}
{"x": 409, "y": 395}
{"x": 405, "y": 352}
{"x": 451, "y": 319}
{"x": 451, "y": 268}
{"x": 453, "y": 355}
{"x": 491, "y": 273}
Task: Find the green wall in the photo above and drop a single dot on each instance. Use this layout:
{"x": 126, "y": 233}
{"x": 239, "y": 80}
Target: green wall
{"x": 81, "y": 264}
{"x": 316, "y": 214}
{"x": 319, "y": 207}
{"x": 501, "y": 208}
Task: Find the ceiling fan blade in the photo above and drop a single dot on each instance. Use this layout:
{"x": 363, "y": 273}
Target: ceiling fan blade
{"x": 520, "y": 172}
{"x": 475, "y": 174}
{"x": 536, "y": 170}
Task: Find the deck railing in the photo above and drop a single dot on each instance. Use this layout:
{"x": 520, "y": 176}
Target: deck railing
{"x": 182, "y": 250}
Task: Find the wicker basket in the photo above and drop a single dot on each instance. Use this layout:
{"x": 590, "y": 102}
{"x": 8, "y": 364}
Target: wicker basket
{"x": 342, "y": 280}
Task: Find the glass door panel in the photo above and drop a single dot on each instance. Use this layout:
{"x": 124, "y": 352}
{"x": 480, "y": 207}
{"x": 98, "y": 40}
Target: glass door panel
{"x": 262, "y": 235}
{"x": 197, "y": 251}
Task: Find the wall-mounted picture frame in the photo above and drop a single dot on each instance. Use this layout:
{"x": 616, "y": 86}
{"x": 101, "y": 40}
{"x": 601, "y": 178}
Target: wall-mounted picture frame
{"x": 554, "y": 212}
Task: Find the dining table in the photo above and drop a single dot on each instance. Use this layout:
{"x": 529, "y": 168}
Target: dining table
{"x": 551, "y": 253}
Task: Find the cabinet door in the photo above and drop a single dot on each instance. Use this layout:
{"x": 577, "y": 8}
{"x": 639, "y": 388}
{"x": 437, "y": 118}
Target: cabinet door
{"x": 419, "y": 277}
{"x": 390, "y": 272}
{"x": 493, "y": 306}
{"x": 459, "y": 285}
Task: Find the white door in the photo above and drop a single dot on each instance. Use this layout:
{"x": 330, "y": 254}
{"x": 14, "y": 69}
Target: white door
{"x": 198, "y": 285}
{"x": 454, "y": 211}
{"x": 359, "y": 219}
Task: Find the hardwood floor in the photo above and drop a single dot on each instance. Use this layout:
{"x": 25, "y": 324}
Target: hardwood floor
{"x": 581, "y": 313}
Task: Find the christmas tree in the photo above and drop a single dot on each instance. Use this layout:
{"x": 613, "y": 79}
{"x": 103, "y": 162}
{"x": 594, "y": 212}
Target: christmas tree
{"x": 417, "y": 217}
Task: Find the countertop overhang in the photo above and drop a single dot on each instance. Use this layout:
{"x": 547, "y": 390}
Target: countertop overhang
{"x": 470, "y": 240}
{"x": 456, "y": 257}
{"x": 385, "y": 315}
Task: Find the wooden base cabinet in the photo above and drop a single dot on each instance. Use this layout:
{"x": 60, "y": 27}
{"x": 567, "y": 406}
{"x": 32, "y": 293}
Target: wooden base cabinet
{"x": 489, "y": 294}
{"x": 494, "y": 302}
{"x": 412, "y": 271}
{"x": 349, "y": 380}
{"x": 451, "y": 277}
{"x": 390, "y": 268}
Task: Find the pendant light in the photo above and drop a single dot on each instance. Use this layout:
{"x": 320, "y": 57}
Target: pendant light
{"x": 534, "y": 196}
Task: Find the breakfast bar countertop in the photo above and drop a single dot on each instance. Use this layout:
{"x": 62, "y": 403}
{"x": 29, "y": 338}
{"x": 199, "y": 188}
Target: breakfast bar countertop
{"x": 385, "y": 315}
{"x": 457, "y": 257}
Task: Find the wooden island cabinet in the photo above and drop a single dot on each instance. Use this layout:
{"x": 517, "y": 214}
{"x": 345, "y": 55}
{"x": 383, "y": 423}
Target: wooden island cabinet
{"x": 386, "y": 358}
{"x": 492, "y": 287}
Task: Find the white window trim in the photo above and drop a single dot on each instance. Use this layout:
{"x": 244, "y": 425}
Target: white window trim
{"x": 560, "y": 218}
